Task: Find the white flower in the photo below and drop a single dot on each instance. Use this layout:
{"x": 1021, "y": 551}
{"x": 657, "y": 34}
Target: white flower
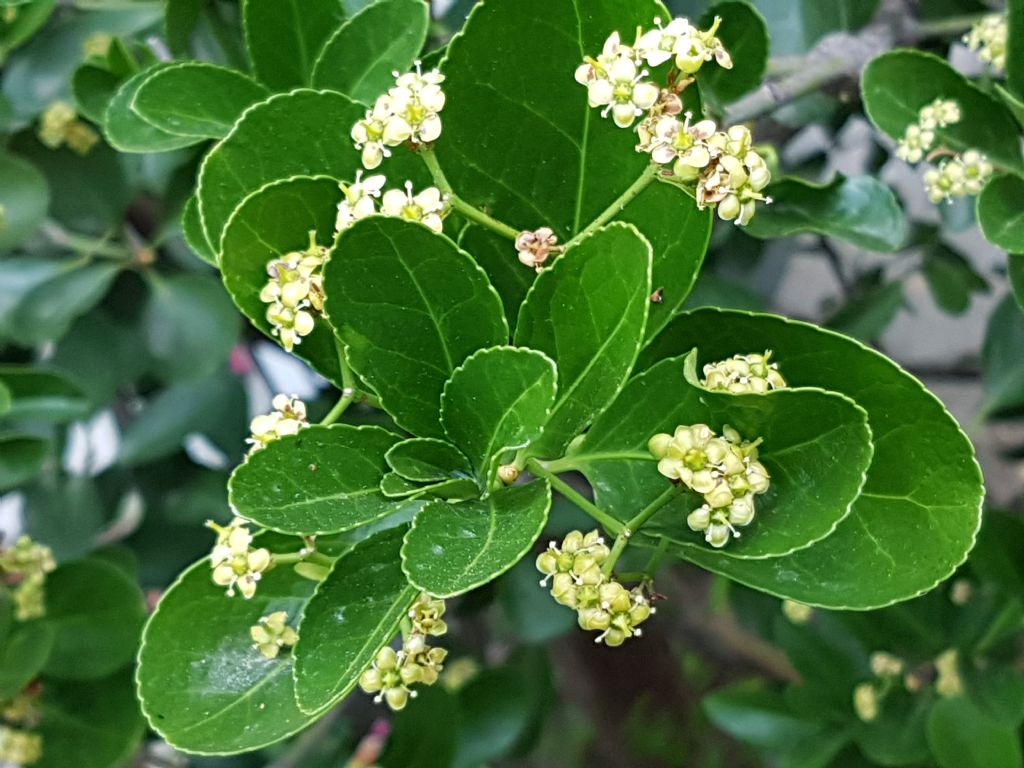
{"x": 693, "y": 50}
{"x": 287, "y": 418}
{"x": 368, "y": 133}
{"x": 669, "y": 139}
{"x": 427, "y": 207}
{"x": 613, "y": 82}
{"x": 915, "y": 142}
{"x": 658, "y": 45}
{"x": 989, "y": 37}
{"x": 938, "y": 114}
{"x": 359, "y": 201}
{"x": 596, "y": 69}
{"x": 233, "y": 560}
{"x": 295, "y": 292}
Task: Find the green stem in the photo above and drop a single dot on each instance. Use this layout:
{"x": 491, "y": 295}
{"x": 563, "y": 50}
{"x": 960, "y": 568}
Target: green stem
{"x": 470, "y": 212}
{"x": 616, "y": 208}
{"x": 348, "y": 392}
{"x": 656, "y": 556}
{"x": 85, "y": 246}
{"x": 609, "y": 523}
{"x": 634, "y": 525}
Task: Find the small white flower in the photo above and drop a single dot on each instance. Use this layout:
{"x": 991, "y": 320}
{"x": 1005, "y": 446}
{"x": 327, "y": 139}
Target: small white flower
{"x": 360, "y": 200}
{"x": 427, "y": 207}
{"x": 989, "y": 37}
{"x": 658, "y": 45}
{"x": 695, "y": 49}
{"x": 614, "y": 82}
{"x": 233, "y": 560}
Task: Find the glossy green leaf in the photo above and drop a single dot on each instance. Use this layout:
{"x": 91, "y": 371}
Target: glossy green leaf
{"x": 454, "y": 548}
{"x": 190, "y": 325}
{"x": 409, "y": 307}
{"x": 360, "y": 57}
{"x": 354, "y": 613}
{"x": 24, "y": 199}
{"x": 860, "y": 210}
{"x": 96, "y": 612}
{"x": 588, "y": 313}
{"x": 203, "y": 687}
{"x": 951, "y": 279}
{"x": 127, "y": 132}
{"x": 22, "y": 655}
{"x": 38, "y": 395}
{"x": 542, "y": 156}
{"x": 911, "y": 526}
{"x": 497, "y": 401}
{"x": 195, "y": 99}
{"x": 425, "y": 459}
{"x": 194, "y": 234}
{"x": 273, "y": 221}
{"x": 21, "y": 458}
{"x": 803, "y": 431}
{"x": 1000, "y": 214}
{"x": 744, "y": 34}
{"x": 960, "y": 736}
{"x": 1002, "y": 359}
{"x": 285, "y": 37}
{"x": 322, "y": 480}
{"x": 897, "y": 84}
{"x": 93, "y": 87}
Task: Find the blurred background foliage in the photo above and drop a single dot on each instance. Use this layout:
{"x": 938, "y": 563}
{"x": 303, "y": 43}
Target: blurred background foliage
{"x": 127, "y": 381}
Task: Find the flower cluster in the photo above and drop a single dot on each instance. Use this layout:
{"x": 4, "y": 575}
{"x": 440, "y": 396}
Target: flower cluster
{"x": 234, "y": 561}
{"x": 959, "y": 176}
{"x": 393, "y": 672}
{"x": 60, "y": 125}
{"x": 19, "y": 747}
{"x": 429, "y": 207}
{"x": 919, "y": 137}
{"x": 287, "y": 418}
{"x": 26, "y": 564}
{"x": 295, "y": 293}
{"x": 578, "y": 582}
{"x": 407, "y": 112}
{"x": 724, "y": 469}
{"x": 988, "y": 37}
{"x": 744, "y": 373}
{"x": 272, "y": 634}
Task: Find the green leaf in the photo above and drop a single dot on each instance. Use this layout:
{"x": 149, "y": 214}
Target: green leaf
{"x": 1003, "y": 359}
{"x": 354, "y": 613}
{"x": 588, "y": 313}
{"x": 195, "y": 99}
{"x": 498, "y": 400}
{"x": 754, "y": 714}
{"x": 860, "y": 210}
{"x": 47, "y": 313}
{"x": 96, "y": 613}
{"x": 951, "y": 279}
{"x": 66, "y": 513}
{"x": 93, "y": 87}
{"x": 869, "y": 313}
{"x": 416, "y": 741}
{"x": 897, "y": 84}
{"x": 541, "y": 156}
{"x": 1015, "y": 267}
{"x": 180, "y": 20}
{"x": 1015, "y": 46}
{"x": 745, "y": 36}
{"x": 359, "y": 59}
{"x": 410, "y": 307}
{"x": 510, "y": 278}
{"x": 95, "y": 724}
{"x": 454, "y": 548}
{"x": 31, "y": 16}
{"x": 24, "y": 199}
{"x": 897, "y": 735}
{"x": 284, "y": 37}
{"x": 803, "y": 431}
{"x": 195, "y": 236}
{"x": 127, "y": 132}
{"x": 40, "y": 395}
{"x": 425, "y": 460}
{"x": 1015, "y": 105}
{"x": 394, "y": 486}
{"x": 497, "y": 708}
{"x": 21, "y": 458}
{"x": 22, "y": 655}
{"x": 322, "y": 480}
{"x": 190, "y": 325}
{"x": 303, "y": 133}
{"x": 960, "y": 736}
{"x": 203, "y": 687}
{"x": 271, "y": 222}
{"x": 911, "y": 526}
{"x": 1000, "y": 215}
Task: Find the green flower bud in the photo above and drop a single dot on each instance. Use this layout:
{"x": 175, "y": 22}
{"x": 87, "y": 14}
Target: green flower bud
{"x": 659, "y": 445}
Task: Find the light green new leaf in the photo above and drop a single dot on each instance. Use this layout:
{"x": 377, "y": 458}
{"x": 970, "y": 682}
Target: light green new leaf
{"x": 588, "y": 313}
{"x": 96, "y": 613}
{"x": 744, "y": 34}
{"x": 354, "y": 613}
{"x": 39, "y": 395}
{"x": 195, "y": 99}
{"x": 860, "y": 210}
{"x": 275, "y": 221}
{"x": 21, "y": 458}
{"x": 499, "y": 400}
{"x": 1000, "y": 213}
{"x": 1003, "y": 359}
{"x": 360, "y": 58}
{"x": 284, "y": 37}
{"x": 803, "y": 431}
{"x": 962, "y": 736}
{"x": 410, "y": 307}
{"x": 425, "y": 460}
{"x": 918, "y": 514}
{"x": 322, "y": 480}
{"x": 454, "y": 548}
{"x": 897, "y": 84}
{"x": 127, "y": 132}
{"x": 203, "y": 687}
{"x": 24, "y": 199}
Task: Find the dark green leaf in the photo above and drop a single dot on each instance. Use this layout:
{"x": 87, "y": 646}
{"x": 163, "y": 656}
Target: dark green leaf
{"x": 354, "y": 613}
{"x": 961, "y": 736}
{"x": 93, "y": 87}
{"x": 498, "y": 400}
{"x": 752, "y": 713}
{"x": 1003, "y": 359}
{"x": 869, "y": 314}
{"x": 510, "y": 278}
{"x": 40, "y": 395}
{"x": 588, "y": 313}
{"x": 1015, "y": 267}
{"x": 410, "y": 307}
{"x": 24, "y": 198}
{"x": 67, "y": 513}
{"x": 127, "y": 132}
{"x": 425, "y": 459}
{"x": 47, "y": 313}
{"x": 383, "y": 38}
{"x": 454, "y": 548}
{"x": 417, "y": 741}
{"x": 532, "y": 615}
{"x": 285, "y": 37}
{"x": 897, "y": 735}
{"x": 21, "y": 458}
{"x": 951, "y": 279}
{"x": 322, "y": 480}
{"x": 180, "y": 20}
{"x": 745, "y": 35}
{"x": 22, "y": 655}
{"x": 1015, "y": 46}
{"x": 1000, "y": 215}
{"x": 1015, "y": 105}
{"x": 860, "y": 210}
{"x": 196, "y": 100}
{"x": 496, "y": 710}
